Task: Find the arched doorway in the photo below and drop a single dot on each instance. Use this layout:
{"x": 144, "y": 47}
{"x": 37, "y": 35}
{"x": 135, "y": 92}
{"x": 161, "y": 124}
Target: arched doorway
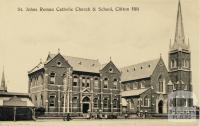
{"x": 160, "y": 107}
{"x": 86, "y": 104}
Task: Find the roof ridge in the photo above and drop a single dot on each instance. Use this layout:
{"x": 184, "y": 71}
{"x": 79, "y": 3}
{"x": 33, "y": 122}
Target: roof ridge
{"x": 139, "y": 63}
{"x": 81, "y": 58}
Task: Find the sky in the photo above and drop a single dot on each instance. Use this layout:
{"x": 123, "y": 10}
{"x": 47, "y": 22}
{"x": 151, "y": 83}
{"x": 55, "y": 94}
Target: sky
{"x": 127, "y": 37}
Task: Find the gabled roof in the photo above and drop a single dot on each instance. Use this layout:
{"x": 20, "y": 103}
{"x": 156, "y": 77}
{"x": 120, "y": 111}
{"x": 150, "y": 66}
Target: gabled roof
{"x": 133, "y": 92}
{"x": 78, "y": 64}
{"x": 109, "y": 63}
{"x": 139, "y": 71}
{"x": 36, "y": 68}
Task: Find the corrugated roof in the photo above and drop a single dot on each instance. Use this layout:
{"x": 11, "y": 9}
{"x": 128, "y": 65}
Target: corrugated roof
{"x": 133, "y": 92}
{"x": 138, "y": 71}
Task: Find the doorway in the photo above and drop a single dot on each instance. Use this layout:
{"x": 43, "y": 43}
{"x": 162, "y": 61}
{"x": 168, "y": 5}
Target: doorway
{"x": 85, "y": 107}
{"x": 160, "y": 107}
{"x": 86, "y": 104}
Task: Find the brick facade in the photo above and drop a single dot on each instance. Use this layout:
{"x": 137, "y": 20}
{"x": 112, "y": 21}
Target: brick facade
{"x": 84, "y": 92}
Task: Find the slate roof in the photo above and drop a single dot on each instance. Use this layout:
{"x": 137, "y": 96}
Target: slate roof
{"x": 82, "y": 64}
{"x": 133, "y": 92}
{"x": 138, "y": 71}
{"x": 78, "y": 64}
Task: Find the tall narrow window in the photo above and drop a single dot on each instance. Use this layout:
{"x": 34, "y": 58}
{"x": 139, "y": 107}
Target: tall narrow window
{"x": 146, "y": 101}
{"x": 160, "y": 83}
{"x": 74, "y": 101}
{"x": 83, "y": 82}
{"x": 115, "y": 103}
{"x": 105, "y": 103}
{"x": 131, "y": 103}
{"x": 41, "y": 100}
{"x": 52, "y": 78}
{"x": 142, "y": 84}
{"x": 105, "y": 84}
{"x": 187, "y": 64}
{"x": 96, "y": 83}
{"x": 95, "y": 102}
{"x": 52, "y": 101}
{"x": 75, "y": 81}
{"x": 134, "y": 85}
{"x": 115, "y": 83}
{"x": 88, "y": 82}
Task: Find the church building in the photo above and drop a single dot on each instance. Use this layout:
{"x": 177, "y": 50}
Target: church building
{"x": 150, "y": 87}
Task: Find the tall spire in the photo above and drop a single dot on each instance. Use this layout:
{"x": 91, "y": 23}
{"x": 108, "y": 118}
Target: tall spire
{"x": 179, "y": 35}
{"x": 3, "y": 82}
{"x": 179, "y": 40}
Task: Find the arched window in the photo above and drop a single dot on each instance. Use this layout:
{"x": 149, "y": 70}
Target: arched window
{"x": 115, "y": 83}
{"x": 88, "y": 82}
{"x": 83, "y": 81}
{"x": 96, "y": 82}
{"x": 105, "y": 84}
{"x": 52, "y": 78}
{"x": 105, "y": 102}
{"x": 146, "y": 101}
{"x": 160, "y": 83}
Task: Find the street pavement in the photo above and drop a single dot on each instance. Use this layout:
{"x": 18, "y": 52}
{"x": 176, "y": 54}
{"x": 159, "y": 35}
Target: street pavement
{"x": 114, "y": 122}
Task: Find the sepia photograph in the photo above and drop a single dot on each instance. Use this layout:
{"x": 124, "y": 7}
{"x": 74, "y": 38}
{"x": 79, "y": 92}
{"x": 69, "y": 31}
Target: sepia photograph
{"x": 99, "y": 63}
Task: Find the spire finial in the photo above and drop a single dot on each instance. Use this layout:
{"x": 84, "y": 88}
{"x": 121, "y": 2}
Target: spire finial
{"x": 188, "y": 43}
{"x": 110, "y": 58}
{"x": 58, "y": 50}
{"x": 160, "y": 55}
{"x": 3, "y": 82}
{"x": 170, "y": 45}
{"x": 40, "y": 60}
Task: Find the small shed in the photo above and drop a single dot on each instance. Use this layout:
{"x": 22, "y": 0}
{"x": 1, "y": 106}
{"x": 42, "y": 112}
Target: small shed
{"x": 16, "y": 106}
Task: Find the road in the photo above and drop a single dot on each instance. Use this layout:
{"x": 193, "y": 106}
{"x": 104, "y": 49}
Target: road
{"x": 117, "y": 122}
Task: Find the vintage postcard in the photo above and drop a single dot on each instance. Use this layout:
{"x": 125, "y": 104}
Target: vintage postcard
{"x": 91, "y": 62}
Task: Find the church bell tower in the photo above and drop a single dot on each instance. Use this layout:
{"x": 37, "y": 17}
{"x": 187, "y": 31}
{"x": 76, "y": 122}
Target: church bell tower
{"x": 179, "y": 62}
